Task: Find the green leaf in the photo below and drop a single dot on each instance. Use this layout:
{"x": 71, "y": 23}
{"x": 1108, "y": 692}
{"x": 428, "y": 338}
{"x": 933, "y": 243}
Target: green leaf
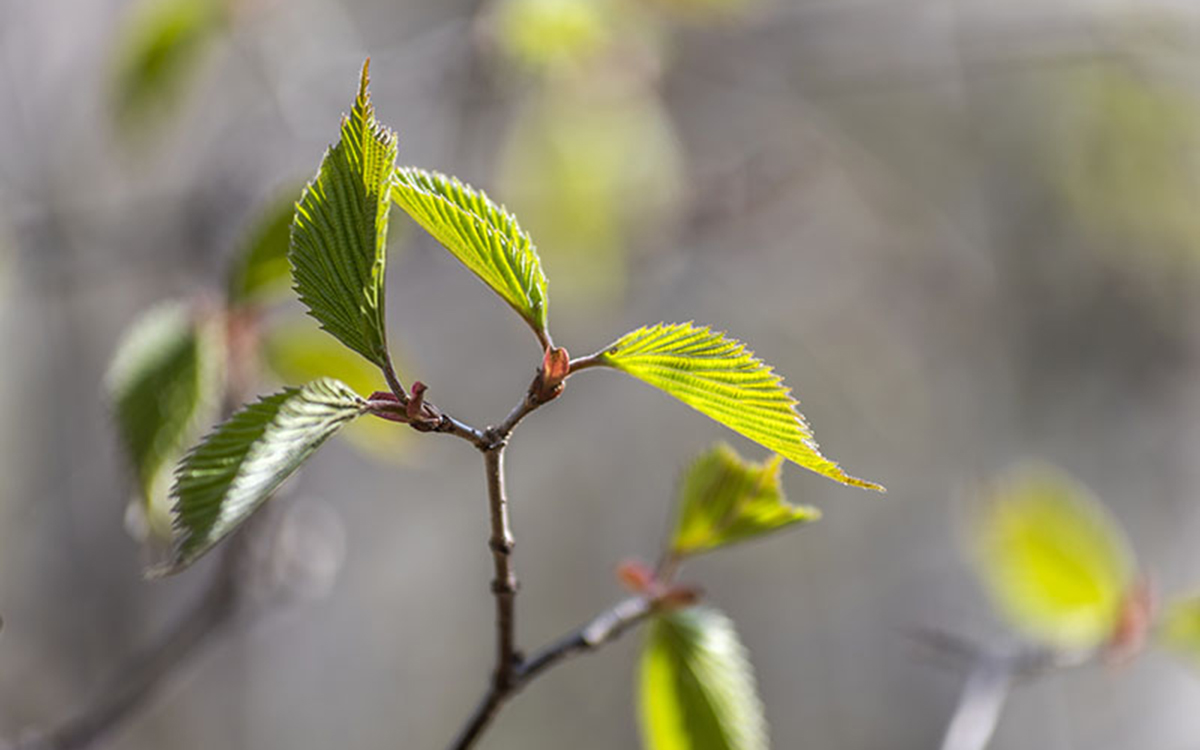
{"x": 697, "y": 688}
{"x": 1180, "y": 629}
{"x": 339, "y": 234}
{"x": 260, "y": 271}
{"x": 1056, "y": 565}
{"x": 297, "y": 352}
{"x": 158, "y": 52}
{"x": 165, "y": 384}
{"x": 725, "y": 499}
{"x": 237, "y": 467}
{"x": 718, "y": 377}
{"x": 481, "y": 234}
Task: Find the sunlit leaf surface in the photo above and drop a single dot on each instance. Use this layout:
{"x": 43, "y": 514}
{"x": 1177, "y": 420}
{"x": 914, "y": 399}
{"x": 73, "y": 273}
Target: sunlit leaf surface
{"x": 718, "y": 377}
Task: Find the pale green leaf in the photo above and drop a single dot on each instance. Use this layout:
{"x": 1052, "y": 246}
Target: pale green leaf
{"x": 720, "y": 378}
{"x": 697, "y": 688}
{"x": 236, "y": 468}
{"x": 338, "y": 252}
{"x": 1056, "y": 565}
{"x": 158, "y": 52}
{"x": 1179, "y": 629}
{"x": 724, "y": 499}
{"x": 165, "y": 384}
{"x": 481, "y": 234}
{"x": 297, "y": 352}
{"x": 260, "y": 271}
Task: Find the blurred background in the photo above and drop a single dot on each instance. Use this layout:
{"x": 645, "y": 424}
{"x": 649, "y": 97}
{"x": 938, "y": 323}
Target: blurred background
{"x": 968, "y": 232}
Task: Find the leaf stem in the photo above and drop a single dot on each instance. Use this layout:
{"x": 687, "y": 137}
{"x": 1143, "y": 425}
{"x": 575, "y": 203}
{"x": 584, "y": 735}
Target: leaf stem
{"x": 584, "y": 363}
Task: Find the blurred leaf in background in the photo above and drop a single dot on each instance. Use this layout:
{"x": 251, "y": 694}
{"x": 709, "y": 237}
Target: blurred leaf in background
{"x": 546, "y": 35}
{"x": 591, "y": 161}
{"x": 296, "y": 351}
{"x": 260, "y": 273}
{"x": 1127, "y": 158}
{"x": 589, "y": 171}
{"x": 697, "y": 688}
{"x": 1179, "y": 629}
{"x": 159, "y": 51}
{"x": 165, "y": 384}
{"x": 1057, "y": 567}
{"x": 725, "y": 499}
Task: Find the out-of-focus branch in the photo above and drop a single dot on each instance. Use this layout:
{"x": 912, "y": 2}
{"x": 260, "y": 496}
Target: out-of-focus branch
{"x": 136, "y": 682}
{"x": 991, "y": 675}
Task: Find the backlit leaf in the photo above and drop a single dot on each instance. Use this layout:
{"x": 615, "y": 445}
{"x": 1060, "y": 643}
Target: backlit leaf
{"x": 338, "y": 252}
{"x": 697, "y": 688}
{"x": 481, "y": 234}
{"x": 1056, "y": 565}
{"x": 297, "y": 352}
{"x": 718, "y": 377}
{"x": 724, "y": 499}
{"x": 165, "y": 384}
{"x": 236, "y": 468}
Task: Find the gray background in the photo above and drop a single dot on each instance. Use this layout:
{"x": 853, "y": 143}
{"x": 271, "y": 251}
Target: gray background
{"x": 871, "y": 201}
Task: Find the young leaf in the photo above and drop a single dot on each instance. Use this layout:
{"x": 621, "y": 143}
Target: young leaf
{"x": 484, "y": 236}
{"x": 1180, "y": 629}
{"x": 237, "y": 467}
{"x": 697, "y": 688}
{"x": 165, "y": 384}
{"x": 260, "y": 271}
{"x": 339, "y": 234}
{"x": 718, "y": 377}
{"x": 1056, "y": 565}
{"x": 724, "y": 499}
{"x": 297, "y": 352}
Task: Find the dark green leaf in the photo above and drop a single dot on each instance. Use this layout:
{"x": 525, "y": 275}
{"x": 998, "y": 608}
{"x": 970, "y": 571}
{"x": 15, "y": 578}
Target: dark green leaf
{"x": 697, "y": 687}
{"x": 725, "y": 499}
{"x": 237, "y": 467}
{"x": 338, "y": 252}
{"x": 718, "y": 377}
{"x": 165, "y": 385}
{"x": 481, "y": 234}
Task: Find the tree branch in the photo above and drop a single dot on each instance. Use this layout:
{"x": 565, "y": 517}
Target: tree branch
{"x": 604, "y": 628}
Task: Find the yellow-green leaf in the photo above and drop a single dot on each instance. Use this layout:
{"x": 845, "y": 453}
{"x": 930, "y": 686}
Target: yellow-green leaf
{"x": 719, "y": 377}
{"x": 724, "y": 499}
{"x": 234, "y": 470}
{"x": 339, "y": 236}
{"x": 481, "y": 234}
{"x": 165, "y": 384}
{"x": 297, "y": 352}
{"x": 1056, "y": 565}
{"x": 697, "y": 687}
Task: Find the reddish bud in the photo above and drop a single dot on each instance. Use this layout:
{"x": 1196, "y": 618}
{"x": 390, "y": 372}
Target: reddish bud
{"x": 636, "y": 576}
{"x": 1134, "y": 623}
{"x": 416, "y": 401}
{"x": 556, "y": 365}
